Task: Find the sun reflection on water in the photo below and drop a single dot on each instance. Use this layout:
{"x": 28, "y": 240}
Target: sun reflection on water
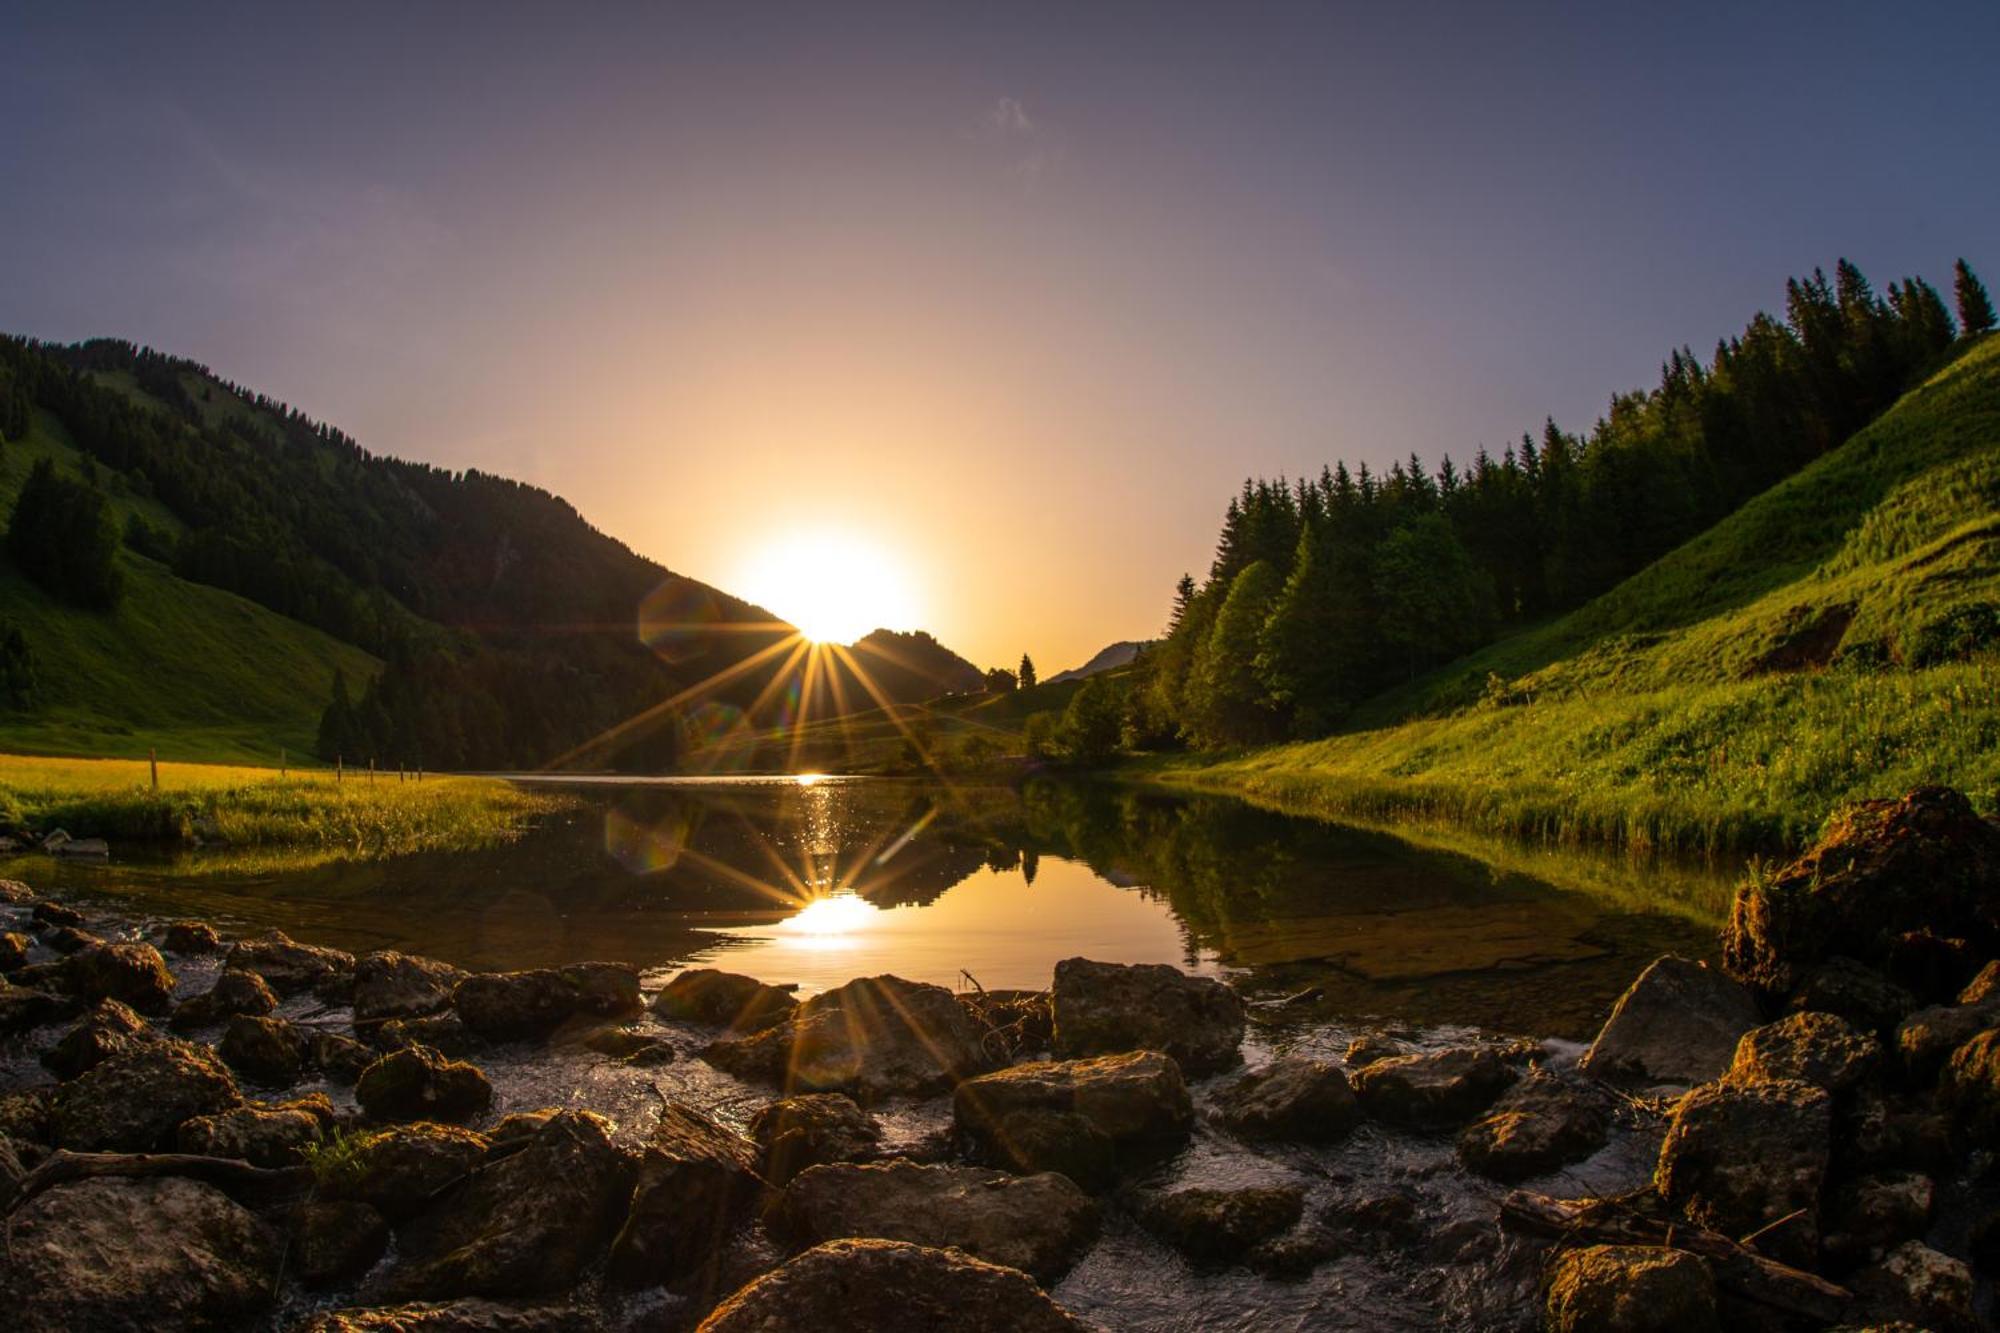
{"x": 829, "y": 923}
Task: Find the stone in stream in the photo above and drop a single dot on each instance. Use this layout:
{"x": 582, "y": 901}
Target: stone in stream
{"x": 192, "y": 937}
{"x": 723, "y": 999}
{"x": 71, "y": 939}
{"x": 233, "y": 993}
{"x": 417, "y": 1083}
{"x": 697, "y": 1183}
{"x": 342, "y": 1059}
{"x": 127, "y": 971}
{"x": 135, "y": 1101}
{"x": 1814, "y": 1048}
{"x": 794, "y": 1133}
{"x": 1439, "y": 1088}
{"x": 109, "y": 1029}
{"x": 25, "y": 1008}
{"x": 18, "y": 894}
{"x": 49, "y": 912}
{"x": 1739, "y": 1157}
{"x": 399, "y": 1170}
{"x": 508, "y": 1006}
{"x": 1220, "y": 1226}
{"x": 338, "y": 1240}
{"x": 873, "y": 1037}
{"x": 1295, "y": 1097}
{"x": 1542, "y": 1123}
{"x": 467, "y": 1316}
{"x": 1040, "y": 1224}
{"x": 444, "y": 1032}
{"x": 1629, "y": 1289}
{"x": 1108, "y": 1008}
{"x": 267, "y": 1051}
{"x": 14, "y": 947}
{"x": 290, "y": 967}
{"x": 629, "y": 1045}
{"x": 388, "y": 984}
{"x": 151, "y": 1255}
{"x": 259, "y": 1135}
{"x": 889, "y": 1286}
{"x": 1091, "y": 1120}
{"x": 1678, "y": 1023}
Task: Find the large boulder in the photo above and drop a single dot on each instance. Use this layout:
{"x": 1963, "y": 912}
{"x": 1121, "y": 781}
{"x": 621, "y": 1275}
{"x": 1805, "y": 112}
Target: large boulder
{"x": 398, "y": 1171}
{"x": 508, "y": 1006}
{"x": 1881, "y": 870}
{"x": 1739, "y": 1157}
{"x": 1971, "y": 1088}
{"x": 522, "y": 1225}
{"x": 144, "y": 1255}
{"x": 128, "y": 971}
{"x": 417, "y": 1083}
{"x": 723, "y": 999}
{"x": 1857, "y": 993}
{"x": 25, "y": 1008}
{"x": 268, "y": 1051}
{"x": 1105, "y": 1008}
{"x": 1814, "y": 1048}
{"x": 291, "y": 967}
{"x": 192, "y": 937}
{"x": 697, "y": 1182}
{"x": 1091, "y": 1120}
{"x": 259, "y": 1135}
{"x": 886, "y": 1286}
{"x": 134, "y": 1102}
{"x": 1433, "y": 1089}
{"x": 1219, "y": 1226}
{"x": 234, "y": 992}
{"x": 109, "y": 1029}
{"x": 388, "y": 984}
{"x": 794, "y": 1133}
{"x": 874, "y": 1037}
{"x": 1678, "y": 1023}
{"x": 1295, "y": 1097}
{"x": 1629, "y": 1289}
{"x": 1541, "y": 1123}
{"x": 1040, "y": 1224}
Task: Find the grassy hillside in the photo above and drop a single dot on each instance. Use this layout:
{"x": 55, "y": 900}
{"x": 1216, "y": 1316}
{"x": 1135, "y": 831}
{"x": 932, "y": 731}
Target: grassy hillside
{"x": 198, "y": 673}
{"x": 1834, "y": 638}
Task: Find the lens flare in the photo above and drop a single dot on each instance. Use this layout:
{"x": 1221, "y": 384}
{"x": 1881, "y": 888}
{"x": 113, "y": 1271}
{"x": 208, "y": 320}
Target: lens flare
{"x": 834, "y": 586}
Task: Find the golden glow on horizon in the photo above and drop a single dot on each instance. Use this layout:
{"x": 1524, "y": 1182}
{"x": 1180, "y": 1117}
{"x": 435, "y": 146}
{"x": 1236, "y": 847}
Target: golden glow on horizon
{"x": 834, "y": 586}
{"x": 826, "y": 923}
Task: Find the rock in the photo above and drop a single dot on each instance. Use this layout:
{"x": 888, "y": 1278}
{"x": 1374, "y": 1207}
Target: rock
{"x": 1814, "y": 1048}
{"x": 144, "y": 1255}
{"x": 1932, "y": 967}
{"x": 1629, "y": 1289}
{"x": 1971, "y": 1088}
{"x": 192, "y": 937}
{"x": 128, "y": 971}
{"x": 1107, "y": 1008}
{"x": 24, "y": 1008}
{"x": 522, "y": 1225}
{"x": 1916, "y": 1283}
{"x": 1374, "y": 1221}
{"x": 1859, "y": 994}
{"x": 635, "y": 1048}
{"x": 14, "y": 947}
{"x": 603, "y": 990}
{"x": 1874, "y": 1132}
{"x": 25, "y": 1116}
{"x": 1678, "y": 1023}
{"x": 338, "y": 1241}
{"x": 797, "y": 1132}
{"x": 873, "y": 1037}
{"x": 388, "y": 984}
{"x": 1091, "y": 1120}
{"x": 1040, "y": 1224}
{"x": 1928, "y": 1037}
{"x": 723, "y": 999}
{"x": 96, "y": 848}
{"x": 1880, "y": 870}
{"x": 1985, "y": 986}
{"x": 518, "y": 1126}
{"x": 48, "y": 912}
{"x": 1542, "y": 1123}
{"x": 291, "y": 967}
{"x": 109, "y": 1029}
{"x": 233, "y": 993}
{"x": 890, "y": 1287}
{"x": 259, "y": 1135}
{"x": 1213, "y": 1226}
{"x": 341, "y": 1059}
{"x": 1439, "y": 1088}
{"x": 1738, "y": 1157}
{"x": 1366, "y": 1050}
{"x": 1294, "y": 1097}
{"x": 135, "y": 1101}
{"x": 1874, "y": 1213}
{"x": 70, "y": 939}
{"x": 507, "y": 1006}
{"x": 697, "y": 1182}
{"x": 444, "y": 1032}
{"x": 467, "y": 1316}
{"x": 417, "y": 1083}
{"x": 268, "y": 1051}
{"x": 399, "y": 1170}
{"x": 15, "y": 892}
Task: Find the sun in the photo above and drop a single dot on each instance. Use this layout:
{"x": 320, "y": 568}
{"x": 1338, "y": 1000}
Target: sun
{"x": 833, "y": 585}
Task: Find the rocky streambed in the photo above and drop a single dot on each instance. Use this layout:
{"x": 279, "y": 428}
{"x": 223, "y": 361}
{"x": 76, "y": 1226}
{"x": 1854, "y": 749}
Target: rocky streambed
{"x": 198, "y": 1132}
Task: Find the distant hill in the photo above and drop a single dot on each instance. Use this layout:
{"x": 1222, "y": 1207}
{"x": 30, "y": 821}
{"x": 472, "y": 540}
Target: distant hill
{"x": 1117, "y": 655}
{"x": 914, "y": 667}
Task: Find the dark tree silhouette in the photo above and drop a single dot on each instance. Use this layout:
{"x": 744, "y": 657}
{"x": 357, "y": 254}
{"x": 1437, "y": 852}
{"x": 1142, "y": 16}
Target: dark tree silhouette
{"x": 1026, "y": 675}
{"x": 1975, "y": 308}
{"x": 64, "y": 538}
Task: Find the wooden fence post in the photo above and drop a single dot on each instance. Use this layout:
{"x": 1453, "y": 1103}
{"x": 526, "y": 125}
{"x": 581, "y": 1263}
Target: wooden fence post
{"x": 284, "y": 769}
{"x": 338, "y": 775}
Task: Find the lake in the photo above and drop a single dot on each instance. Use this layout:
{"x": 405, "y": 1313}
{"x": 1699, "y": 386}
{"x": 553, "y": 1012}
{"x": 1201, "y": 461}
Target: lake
{"x": 817, "y": 880}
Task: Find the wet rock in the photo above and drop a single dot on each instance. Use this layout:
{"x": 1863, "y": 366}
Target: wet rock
{"x": 603, "y": 990}
{"x": 1985, "y": 986}
{"x": 1366, "y": 1050}
{"x": 135, "y": 1101}
{"x": 522, "y": 1225}
{"x": 1916, "y": 1283}
{"x": 70, "y": 939}
{"x": 1881, "y": 869}
{"x": 233, "y": 993}
{"x": 109, "y": 1029}
{"x": 697, "y": 1182}
{"x": 1738, "y": 1157}
{"x": 1678, "y": 1023}
{"x": 144, "y": 1255}
{"x": 128, "y": 971}
{"x": 1212, "y": 1226}
{"x": 797, "y": 1132}
{"x": 267, "y": 1051}
{"x": 1294, "y": 1097}
{"x": 338, "y": 1241}
{"x": 259, "y": 1135}
{"x": 1859, "y": 994}
{"x": 1106, "y": 1008}
{"x": 290, "y": 967}
{"x": 192, "y": 937}
{"x": 1439, "y": 1088}
{"x": 1040, "y": 1224}
{"x": 15, "y": 892}
{"x": 874, "y": 1037}
{"x": 1629, "y": 1289}
{"x": 519, "y": 1126}
{"x": 417, "y": 1083}
{"x": 341, "y": 1059}
{"x": 1373, "y": 1221}
{"x": 467, "y": 1316}
{"x": 48, "y": 912}
{"x": 636, "y": 1048}
{"x": 723, "y": 999}
{"x": 1928, "y": 1037}
{"x": 14, "y": 947}
{"x": 444, "y": 1032}
{"x": 1876, "y": 1212}
{"x": 890, "y": 1287}
{"x": 25, "y": 1008}
{"x": 25, "y": 1116}
{"x": 1542, "y": 1123}
{"x": 1971, "y": 1088}
{"x": 388, "y": 984}
{"x": 399, "y": 1170}
{"x": 507, "y": 1006}
{"x": 1091, "y": 1120}
{"x": 1808, "y": 1047}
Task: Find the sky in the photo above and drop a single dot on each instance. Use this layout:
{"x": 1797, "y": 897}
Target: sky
{"x": 1012, "y": 296}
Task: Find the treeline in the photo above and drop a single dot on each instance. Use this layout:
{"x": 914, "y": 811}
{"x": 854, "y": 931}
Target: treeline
{"x": 1326, "y": 591}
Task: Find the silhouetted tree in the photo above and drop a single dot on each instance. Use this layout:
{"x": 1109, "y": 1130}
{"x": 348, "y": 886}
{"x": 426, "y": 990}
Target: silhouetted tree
{"x": 999, "y": 680}
{"x": 63, "y": 537}
{"x": 19, "y": 672}
{"x": 1026, "y": 674}
{"x": 1975, "y": 308}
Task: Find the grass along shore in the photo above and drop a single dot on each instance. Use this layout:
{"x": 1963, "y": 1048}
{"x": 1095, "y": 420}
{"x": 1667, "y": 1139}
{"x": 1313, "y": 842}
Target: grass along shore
{"x": 258, "y": 807}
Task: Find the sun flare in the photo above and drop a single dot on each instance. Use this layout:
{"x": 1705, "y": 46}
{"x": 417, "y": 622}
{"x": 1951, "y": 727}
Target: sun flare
{"x": 834, "y": 586}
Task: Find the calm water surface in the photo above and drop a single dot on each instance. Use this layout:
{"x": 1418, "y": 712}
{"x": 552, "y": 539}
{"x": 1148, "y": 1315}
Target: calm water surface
{"x": 818, "y": 881}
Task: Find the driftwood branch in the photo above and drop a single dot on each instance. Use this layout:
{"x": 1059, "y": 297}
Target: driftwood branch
{"x": 225, "y": 1173}
{"x": 1740, "y": 1271}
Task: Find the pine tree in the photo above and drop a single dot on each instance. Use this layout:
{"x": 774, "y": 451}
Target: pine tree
{"x": 1975, "y": 308}
{"x": 336, "y": 724}
{"x": 1226, "y": 702}
{"x": 1027, "y": 672}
